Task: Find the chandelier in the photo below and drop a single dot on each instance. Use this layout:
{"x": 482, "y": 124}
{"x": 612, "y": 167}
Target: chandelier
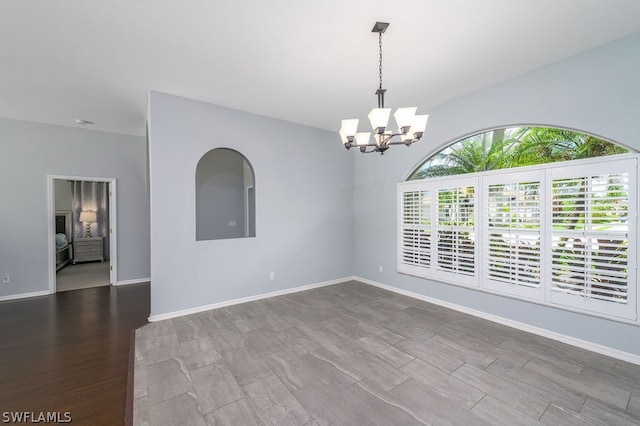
{"x": 410, "y": 126}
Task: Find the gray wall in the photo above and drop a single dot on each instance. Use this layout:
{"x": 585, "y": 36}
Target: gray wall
{"x": 303, "y": 206}
{"x": 598, "y": 92}
{"x": 220, "y": 195}
{"x": 28, "y": 153}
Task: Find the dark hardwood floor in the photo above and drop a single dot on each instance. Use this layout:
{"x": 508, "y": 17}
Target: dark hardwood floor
{"x": 69, "y": 352}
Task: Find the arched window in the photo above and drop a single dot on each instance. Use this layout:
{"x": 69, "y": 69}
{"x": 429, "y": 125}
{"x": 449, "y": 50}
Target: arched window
{"x": 225, "y": 196}
{"x": 513, "y": 147}
{"x": 561, "y": 231}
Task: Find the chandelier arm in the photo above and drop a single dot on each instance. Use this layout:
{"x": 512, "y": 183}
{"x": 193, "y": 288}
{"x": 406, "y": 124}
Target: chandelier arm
{"x": 363, "y": 149}
{"x": 387, "y": 140}
{"x": 407, "y": 143}
{"x": 355, "y": 145}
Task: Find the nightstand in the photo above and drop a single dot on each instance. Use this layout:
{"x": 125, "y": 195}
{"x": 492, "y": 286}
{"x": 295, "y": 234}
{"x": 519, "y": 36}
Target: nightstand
{"x": 87, "y": 249}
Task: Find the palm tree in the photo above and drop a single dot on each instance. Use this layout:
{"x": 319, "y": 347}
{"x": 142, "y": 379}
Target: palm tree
{"x": 484, "y": 151}
{"x": 513, "y": 147}
{"x": 547, "y": 145}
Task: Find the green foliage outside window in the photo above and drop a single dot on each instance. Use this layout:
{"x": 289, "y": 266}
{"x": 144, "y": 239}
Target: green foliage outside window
{"x": 513, "y": 147}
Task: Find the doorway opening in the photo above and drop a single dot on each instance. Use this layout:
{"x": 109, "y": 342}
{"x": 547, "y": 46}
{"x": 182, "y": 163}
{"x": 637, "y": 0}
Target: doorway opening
{"x": 82, "y": 232}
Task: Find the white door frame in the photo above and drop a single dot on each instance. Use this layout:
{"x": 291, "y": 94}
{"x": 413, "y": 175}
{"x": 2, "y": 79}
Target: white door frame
{"x": 51, "y": 208}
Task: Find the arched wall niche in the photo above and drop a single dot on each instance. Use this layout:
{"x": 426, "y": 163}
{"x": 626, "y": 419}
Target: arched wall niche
{"x": 225, "y": 196}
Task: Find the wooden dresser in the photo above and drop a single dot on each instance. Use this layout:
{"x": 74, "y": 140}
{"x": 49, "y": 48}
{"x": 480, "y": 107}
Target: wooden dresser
{"x": 87, "y": 249}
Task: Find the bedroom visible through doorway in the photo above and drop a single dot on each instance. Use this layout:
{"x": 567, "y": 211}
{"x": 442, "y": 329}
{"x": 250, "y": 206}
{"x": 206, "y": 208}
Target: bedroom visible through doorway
{"x": 83, "y": 247}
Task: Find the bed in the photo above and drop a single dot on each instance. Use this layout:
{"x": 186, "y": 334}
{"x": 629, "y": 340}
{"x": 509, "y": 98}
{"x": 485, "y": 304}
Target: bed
{"x": 62, "y": 239}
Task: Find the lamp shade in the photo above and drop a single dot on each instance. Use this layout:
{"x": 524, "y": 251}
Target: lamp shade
{"x": 419, "y": 124}
{"x": 404, "y": 117}
{"x": 343, "y": 137}
{"x": 379, "y": 118}
{"x": 362, "y": 138}
{"x": 349, "y": 127}
{"x": 88, "y": 216}
{"x": 407, "y": 137}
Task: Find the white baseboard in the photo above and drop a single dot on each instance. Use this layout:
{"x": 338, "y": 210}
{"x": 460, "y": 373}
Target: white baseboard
{"x": 24, "y": 295}
{"x": 584, "y": 344}
{"x": 189, "y": 311}
{"x": 136, "y": 281}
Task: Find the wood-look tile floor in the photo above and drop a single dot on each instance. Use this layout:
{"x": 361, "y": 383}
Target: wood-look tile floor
{"x": 69, "y": 352}
{"x": 352, "y": 354}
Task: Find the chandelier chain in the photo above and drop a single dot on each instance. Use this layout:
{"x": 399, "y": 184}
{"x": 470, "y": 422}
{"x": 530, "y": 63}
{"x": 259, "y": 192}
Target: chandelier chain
{"x": 380, "y": 67}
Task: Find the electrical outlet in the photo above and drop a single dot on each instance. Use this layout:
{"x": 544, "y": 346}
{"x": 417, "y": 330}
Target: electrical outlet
{"x": 380, "y": 268}
{"x": 272, "y": 275}
{"x": 6, "y": 279}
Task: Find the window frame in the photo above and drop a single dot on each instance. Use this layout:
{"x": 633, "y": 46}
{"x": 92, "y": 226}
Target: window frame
{"x": 546, "y": 173}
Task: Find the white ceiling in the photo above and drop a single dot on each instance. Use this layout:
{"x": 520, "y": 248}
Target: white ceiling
{"x": 309, "y": 62}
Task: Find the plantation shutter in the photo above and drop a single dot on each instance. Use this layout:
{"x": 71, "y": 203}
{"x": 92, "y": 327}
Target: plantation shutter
{"x": 437, "y": 230}
{"x": 562, "y": 234}
{"x": 415, "y": 245}
{"x": 456, "y": 230}
{"x": 593, "y": 214}
{"x": 512, "y": 216}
